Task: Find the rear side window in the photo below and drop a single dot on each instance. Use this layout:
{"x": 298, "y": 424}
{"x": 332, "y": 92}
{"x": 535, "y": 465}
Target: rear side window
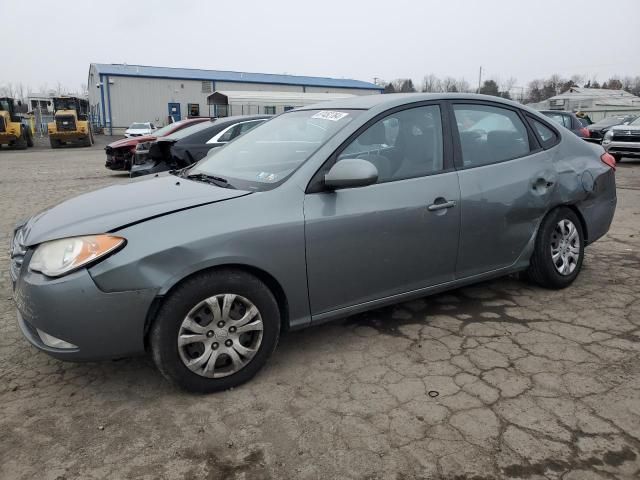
{"x": 490, "y": 134}
{"x": 547, "y": 137}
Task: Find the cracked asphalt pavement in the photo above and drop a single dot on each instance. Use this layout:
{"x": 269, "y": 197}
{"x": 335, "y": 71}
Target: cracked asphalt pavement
{"x": 499, "y": 380}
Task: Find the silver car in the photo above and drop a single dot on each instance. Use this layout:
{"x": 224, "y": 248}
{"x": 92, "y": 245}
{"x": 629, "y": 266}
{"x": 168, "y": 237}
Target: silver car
{"x": 623, "y": 140}
{"x": 317, "y": 214}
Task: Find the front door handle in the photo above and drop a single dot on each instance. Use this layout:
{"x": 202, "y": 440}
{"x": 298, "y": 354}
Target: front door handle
{"x": 441, "y": 204}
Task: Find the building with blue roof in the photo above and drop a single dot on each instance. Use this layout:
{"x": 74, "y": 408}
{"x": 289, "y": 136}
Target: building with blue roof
{"x": 120, "y": 94}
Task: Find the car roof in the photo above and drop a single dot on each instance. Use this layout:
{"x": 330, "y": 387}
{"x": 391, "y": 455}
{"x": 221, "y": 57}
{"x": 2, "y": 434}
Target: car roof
{"x": 239, "y": 118}
{"x": 388, "y": 100}
{"x": 563, "y": 112}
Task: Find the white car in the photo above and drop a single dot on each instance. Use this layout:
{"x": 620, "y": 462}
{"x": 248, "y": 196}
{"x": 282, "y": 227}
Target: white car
{"x": 138, "y": 129}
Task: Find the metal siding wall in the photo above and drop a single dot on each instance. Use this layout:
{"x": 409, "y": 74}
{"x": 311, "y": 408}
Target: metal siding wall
{"x": 259, "y": 87}
{"x": 135, "y": 99}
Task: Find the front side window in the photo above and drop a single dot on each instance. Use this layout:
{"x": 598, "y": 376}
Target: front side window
{"x": 405, "y": 144}
{"x": 489, "y": 134}
{"x": 269, "y": 110}
{"x": 268, "y": 154}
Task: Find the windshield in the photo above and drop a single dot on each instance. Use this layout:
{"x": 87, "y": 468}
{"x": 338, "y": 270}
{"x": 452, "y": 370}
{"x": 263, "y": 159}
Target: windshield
{"x": 609, "y": 121}
{"x": 270, "y": 152}
{"x": 139, "y": 126}
{"x": 4, "y": 105}
{"x": 161, "y": 132}
{"x": 185, "y": 132}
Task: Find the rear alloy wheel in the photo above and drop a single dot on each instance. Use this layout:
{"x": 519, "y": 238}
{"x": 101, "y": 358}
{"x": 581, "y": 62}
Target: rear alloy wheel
{"x": 215, "y": 331}
{"x": 559, "y": 250}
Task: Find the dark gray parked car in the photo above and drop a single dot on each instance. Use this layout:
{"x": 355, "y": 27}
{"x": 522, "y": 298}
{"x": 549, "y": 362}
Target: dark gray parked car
{"x": 315, "y": 215}
{"x": 569, "y": 120}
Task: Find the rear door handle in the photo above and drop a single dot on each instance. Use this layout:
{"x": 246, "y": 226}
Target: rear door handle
{"x": 441, "y": 204}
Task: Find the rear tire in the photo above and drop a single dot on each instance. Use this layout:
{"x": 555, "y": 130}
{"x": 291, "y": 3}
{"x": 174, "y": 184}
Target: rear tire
{"x": 29, "y": 138}
{"x": 559, "y": 250}
{"x": 195, "y": 313}
{"x": 54, "y": 143}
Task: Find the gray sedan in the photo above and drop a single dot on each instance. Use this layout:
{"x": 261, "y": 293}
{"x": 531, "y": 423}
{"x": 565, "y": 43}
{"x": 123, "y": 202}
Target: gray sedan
{"x": 317, "y": 214}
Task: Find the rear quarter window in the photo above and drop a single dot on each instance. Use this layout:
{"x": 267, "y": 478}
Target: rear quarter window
{"x": 546, "y": 136}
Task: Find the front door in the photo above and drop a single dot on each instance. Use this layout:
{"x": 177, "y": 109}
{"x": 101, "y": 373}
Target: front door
{"x": 398, "y": 235}
{"x": 506, "y": 181}
{"x": 174, "y": 111}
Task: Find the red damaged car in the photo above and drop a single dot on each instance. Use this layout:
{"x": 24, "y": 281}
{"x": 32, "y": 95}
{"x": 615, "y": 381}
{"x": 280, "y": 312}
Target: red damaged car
{"x": 121, "y": 152}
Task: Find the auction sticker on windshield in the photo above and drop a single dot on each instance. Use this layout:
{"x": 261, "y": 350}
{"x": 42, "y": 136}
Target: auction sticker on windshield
{"x": 329, "y": 115}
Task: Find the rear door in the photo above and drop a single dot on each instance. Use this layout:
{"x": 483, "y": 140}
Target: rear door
{"x": 506, "y": 180}
{"x": 398, "y": 235}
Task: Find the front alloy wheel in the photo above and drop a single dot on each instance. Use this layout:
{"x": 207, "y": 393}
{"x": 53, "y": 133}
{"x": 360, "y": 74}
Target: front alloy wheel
{"x": 215, "y": 330}
{"x": 220, "y": 335}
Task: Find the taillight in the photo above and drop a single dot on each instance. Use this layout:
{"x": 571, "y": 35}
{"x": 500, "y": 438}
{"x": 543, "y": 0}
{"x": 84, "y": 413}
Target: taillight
{"x": 609, "y": 160}
{"x": 585, "y": 132}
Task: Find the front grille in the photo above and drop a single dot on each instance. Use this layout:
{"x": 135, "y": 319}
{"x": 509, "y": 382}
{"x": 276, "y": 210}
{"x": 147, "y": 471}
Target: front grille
{"x": 3, "y": 127}
{"x": 626, "y": 136}
{"x": 66, "y": 123}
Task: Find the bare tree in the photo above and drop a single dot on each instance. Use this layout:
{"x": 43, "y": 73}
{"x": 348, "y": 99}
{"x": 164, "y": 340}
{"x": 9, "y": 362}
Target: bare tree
{"x": 577, "y": 79}
{"x": 431, "y": 83}
{"x": 508, "y": 84}
{"x": 449, "y": 84}
{"x": 463, "y": 86}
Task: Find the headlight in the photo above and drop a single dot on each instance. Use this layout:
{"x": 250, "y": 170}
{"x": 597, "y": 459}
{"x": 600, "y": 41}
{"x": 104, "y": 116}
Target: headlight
{"x": 59, "y": 257}
{"x": 607, "y": 136}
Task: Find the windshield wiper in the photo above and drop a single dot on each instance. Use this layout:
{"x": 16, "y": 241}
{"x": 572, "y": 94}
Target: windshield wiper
{"x": 212, "y": 179}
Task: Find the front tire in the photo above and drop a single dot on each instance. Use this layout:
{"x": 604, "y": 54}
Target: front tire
{"x": 22, "y": 142}
{"x": 215, "y": 331}
{"x": 559, "y": 250}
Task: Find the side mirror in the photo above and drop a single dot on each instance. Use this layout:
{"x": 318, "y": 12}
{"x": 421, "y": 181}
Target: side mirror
{"x": 351, "y": 172}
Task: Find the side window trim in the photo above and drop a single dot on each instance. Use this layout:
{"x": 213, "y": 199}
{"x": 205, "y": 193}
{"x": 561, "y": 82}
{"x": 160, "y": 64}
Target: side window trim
{"x": 315, "y": 184}
{"x": 531, "y": 118}
{"x": 534, "y": 144}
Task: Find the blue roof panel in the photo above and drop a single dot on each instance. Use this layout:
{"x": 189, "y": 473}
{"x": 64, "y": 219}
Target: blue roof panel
{"x": 226, "y": 76}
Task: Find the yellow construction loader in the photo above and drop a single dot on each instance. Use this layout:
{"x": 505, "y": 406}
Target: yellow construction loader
{"x": 13, "y": 131}
{"x": 71, "y": 123}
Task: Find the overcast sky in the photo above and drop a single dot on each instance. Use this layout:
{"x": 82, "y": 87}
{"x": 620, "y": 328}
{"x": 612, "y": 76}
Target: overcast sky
{"x": 56, "y": 41}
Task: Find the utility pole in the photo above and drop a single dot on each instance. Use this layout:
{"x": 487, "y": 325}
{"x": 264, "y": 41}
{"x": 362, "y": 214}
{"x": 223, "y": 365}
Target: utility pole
{"x": 480, "y": 79}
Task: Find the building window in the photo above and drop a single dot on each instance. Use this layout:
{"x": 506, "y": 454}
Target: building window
{"x": 194, "y": 109}
{"x": 288, "y": 107}
{"x": 269, "y": 110}
{"x": 206, "y": 87}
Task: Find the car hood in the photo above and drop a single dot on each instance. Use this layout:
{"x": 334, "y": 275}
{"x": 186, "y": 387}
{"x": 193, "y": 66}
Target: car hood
{"x": 130, "y": 142}
{"x": 635, "y": 128}
{"x": 111, "y": 208}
